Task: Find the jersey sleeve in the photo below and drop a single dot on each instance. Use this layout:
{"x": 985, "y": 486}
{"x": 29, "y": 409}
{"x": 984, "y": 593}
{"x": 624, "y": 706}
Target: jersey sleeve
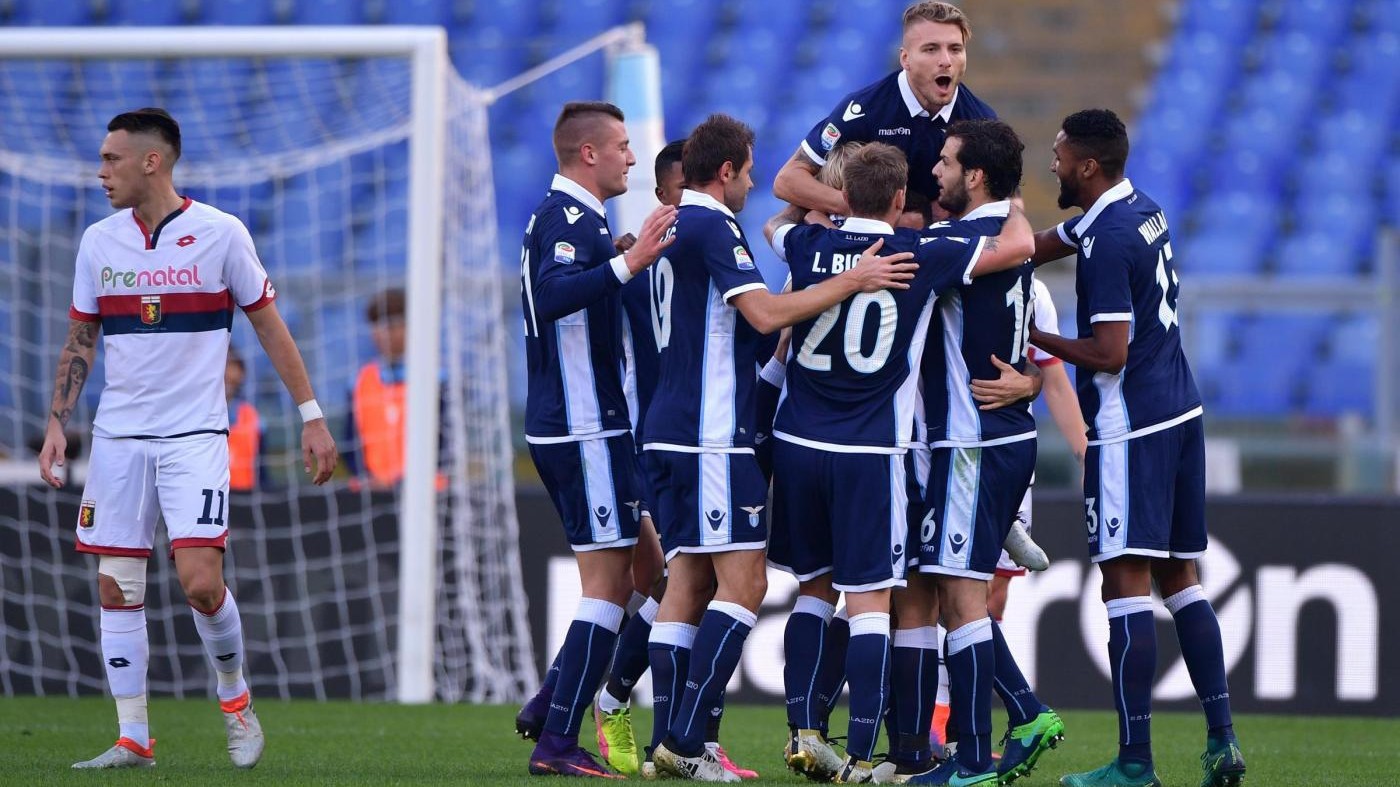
{"x": 567, "y": 278}
{"x": 84, "y": 306}
{"x": 1106, "y": 279}
{"x": 834, "y": 129}
{"x": 1066, "y": 231}
{"x": 730, "y": 265}
{"x": 949, "y": 259}
{"x": 244, "y": 273}
{"x": 791, "y": 241}
{"x": 1046, "y": 319}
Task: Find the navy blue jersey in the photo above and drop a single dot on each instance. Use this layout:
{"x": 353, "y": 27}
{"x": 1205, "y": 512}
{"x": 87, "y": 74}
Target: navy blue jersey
{"x": 853, "y": 379}
{"x": 973, "y": 322}
{"x": 888, "y": 112}
{"x": 573, "y": 319}
{"x": 705, "y": 391}
{"x": 641, "y": 332}
{"x": 1125, "y": 273}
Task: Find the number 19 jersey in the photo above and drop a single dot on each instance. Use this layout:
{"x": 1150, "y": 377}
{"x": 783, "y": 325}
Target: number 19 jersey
{"x": 852, "y": 384}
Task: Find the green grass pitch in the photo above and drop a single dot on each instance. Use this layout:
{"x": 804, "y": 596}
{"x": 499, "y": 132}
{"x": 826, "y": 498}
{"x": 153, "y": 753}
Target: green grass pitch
{"x": 344, "y": 743}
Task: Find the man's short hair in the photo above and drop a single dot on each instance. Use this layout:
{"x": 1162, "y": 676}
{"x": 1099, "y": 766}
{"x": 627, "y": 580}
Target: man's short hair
{"x": 719, "y": 139}
{"x": 993, "y": 147}
{"x": 578, "y": 124}
{"x": 1098, "y": 134}
{"x": 918, "y": 202}
{"x": 938, "y": 13}
{"x": 833, "y": 172}
{"x": 874, "y": 174}
{"x": 669, "y": 156}
{"x": 149, "y": 120}
{"x": 389, "y": 303}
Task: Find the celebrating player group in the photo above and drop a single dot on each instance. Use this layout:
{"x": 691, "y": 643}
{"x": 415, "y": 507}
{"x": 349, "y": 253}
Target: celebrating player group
{"x": 867, "y": 430}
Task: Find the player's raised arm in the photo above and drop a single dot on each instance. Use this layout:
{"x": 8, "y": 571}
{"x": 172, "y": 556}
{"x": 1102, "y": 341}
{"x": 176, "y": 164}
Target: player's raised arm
{"x": 791, "y": 214}
{"x": 767, "y": 312}
{"x": 74, "y": 365}
{"x": 318, "y": 451}
{"x": 797, "y": 183}
{"x": 1008, "y": 249}
{"x": 1050, "y": 246}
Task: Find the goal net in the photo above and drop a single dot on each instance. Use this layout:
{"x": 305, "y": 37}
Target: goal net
{"x": 318, "y": 140}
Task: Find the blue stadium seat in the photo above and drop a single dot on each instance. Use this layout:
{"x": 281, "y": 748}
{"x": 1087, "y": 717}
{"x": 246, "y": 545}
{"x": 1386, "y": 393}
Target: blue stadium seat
{"x": 1163, "y": 179}
{"x": 514, "y": 20}
{"x": 1341, "y": 387}
{"x": 1299, "y": 55}
{"x": 418, "y": 12}
{"x": 1207, "y": 54}
{"x": 241, "y": 12}
{"x": 784, "y": 18}
{"x": 1361, "y": 136}
{"x": 146, "y": 12}
{"x": 1232, "y": 210}
{"x": 1392, "y": 192}
{"x": 1323, "y": 20}
{"x": 679, "y": 24}
{"x": 1234, "y": 19}
{"x": 1232, "y": 252}
{"x": 327, "y": 12}
{"x": 1321, "y": 252}
{"x": 54, "y": 13}
{"x": 1176, "y": 130}
{"x": 583, "y": 19}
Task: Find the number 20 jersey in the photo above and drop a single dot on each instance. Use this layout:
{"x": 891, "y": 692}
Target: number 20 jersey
{"x": 853, "y": 380}
{"x": 1126, "y": 273}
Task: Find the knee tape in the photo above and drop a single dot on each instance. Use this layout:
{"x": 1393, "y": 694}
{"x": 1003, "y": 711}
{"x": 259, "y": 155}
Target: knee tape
{"x": 130, "y": 575}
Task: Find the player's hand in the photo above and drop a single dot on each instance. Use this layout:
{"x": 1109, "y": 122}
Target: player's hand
{"x": 874, "y": 273}
{"x": 817, "y": 217}
{"x": 654, "y": 236}
{"x": 318, "y": 451}
{"x": 55, "y": 448}
{"x": 624, "y": 243}
{"x": 1008, "y": 389}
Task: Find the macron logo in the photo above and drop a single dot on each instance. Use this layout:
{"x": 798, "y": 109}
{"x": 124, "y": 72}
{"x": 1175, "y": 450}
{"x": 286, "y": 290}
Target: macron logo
{"x": 1088, "y": 246}
{"x": 853, "y": 111}
{"x": 572, "y": 214}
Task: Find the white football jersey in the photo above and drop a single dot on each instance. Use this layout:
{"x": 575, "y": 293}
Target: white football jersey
{"x": 165, "y": 299}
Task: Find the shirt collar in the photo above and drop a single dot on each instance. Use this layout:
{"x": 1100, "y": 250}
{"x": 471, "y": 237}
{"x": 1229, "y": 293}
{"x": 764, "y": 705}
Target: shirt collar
{"x": 999, "y": 209}
{"x": 911, "y": 101}
{"x": 704, "y": 200}
{"x": 866, "y": 226}
{"x": 1122, "y": 190}
{"x": 573, "y": 189}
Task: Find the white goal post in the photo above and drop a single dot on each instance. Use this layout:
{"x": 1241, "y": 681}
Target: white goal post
{"x": 432, "y": 79}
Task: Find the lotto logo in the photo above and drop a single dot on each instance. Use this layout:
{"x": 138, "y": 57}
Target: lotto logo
{"x": 185, "y": 241}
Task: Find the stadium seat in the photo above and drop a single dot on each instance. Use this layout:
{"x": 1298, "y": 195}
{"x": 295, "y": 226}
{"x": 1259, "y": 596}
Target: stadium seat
{"x": 1361, "y": 136}
{"x": 1235, "y": 19}
{"x": 1234, "y": 252}
{"x": 146, "y": 12}
{"x": 1324, "y": 21}
{"x": 1341, "y": 387}
{"x": 53, "y": 13}
{"x": 583, "y": 19}
{"x": 241, "y": 12}
{"x": 418, "y": 12}
{"x": 327, "y": 12}
{"x": 1298, "y": 55}
{"x": 680, "y": 24}
{"x": 1321, "y": 252}
{"x": 1228, "y": 210}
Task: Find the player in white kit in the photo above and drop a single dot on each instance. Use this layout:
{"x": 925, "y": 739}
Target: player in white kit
{"x": 160, "y": 278}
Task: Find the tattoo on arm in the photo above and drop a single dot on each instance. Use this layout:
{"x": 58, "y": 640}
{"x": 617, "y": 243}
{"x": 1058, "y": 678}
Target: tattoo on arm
{"x": 73, "y": 374}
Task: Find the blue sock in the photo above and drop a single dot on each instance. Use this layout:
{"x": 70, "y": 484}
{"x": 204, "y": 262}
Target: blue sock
{"x": 804, "y": 640}
{"x": 868, "y": 670}
{"x": 1198, "y": 631}
{"x": 832, "y": 677}
{"x": 712, "y": 723}
{"x": 669, "y": 655}
{"x": 1021, "y": 703}
{"x": 588, "y": 646}
{"x": 1132, "y": 655}
{"x": 914, "y": 689}
{"x": 971, "y": 659}
{"x": 630, "y": 661}
{"x": 719, "y": 642}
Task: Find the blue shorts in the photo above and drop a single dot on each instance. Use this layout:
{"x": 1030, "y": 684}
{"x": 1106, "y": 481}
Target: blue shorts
{"x": 1147, "y": 495}
{"x": 840, "y": 513}
{"x": 972, "y": 498}
{"x": 708, "y": 502}
{"x": 595, "y": 489}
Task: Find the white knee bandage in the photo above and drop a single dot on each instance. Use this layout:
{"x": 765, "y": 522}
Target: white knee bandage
{"x": 130, "y": 575}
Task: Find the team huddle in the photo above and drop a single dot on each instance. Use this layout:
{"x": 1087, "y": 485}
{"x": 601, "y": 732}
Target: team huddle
{"x": 867, "y": 430}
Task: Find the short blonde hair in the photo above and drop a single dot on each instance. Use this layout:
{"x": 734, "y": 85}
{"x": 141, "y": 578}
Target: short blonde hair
{"x": 938, "y": 13}
{"x": 833, "y": 173}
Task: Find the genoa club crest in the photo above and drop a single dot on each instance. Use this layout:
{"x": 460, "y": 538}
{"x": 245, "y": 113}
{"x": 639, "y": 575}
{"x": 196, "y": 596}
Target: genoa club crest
{"x": 150, "y": 309}
{"x": 87, "y": 513}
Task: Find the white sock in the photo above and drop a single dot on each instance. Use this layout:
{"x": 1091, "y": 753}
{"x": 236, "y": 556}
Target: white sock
{"x": 222, "y": 633}
{"x": 607, "y": 703}
{"x": 125, "y": 653}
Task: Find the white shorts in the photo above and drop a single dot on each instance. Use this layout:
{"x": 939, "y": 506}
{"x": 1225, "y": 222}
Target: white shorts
{"x": 131, "y": 481}
{"x": 1006, "y": 567}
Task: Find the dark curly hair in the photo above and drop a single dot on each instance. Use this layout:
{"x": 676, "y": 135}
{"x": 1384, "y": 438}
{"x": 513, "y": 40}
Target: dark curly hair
{"x": 1098, "y": 134}
{"x": 993, "y": 147}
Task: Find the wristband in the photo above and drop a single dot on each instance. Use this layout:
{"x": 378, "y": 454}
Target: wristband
{"x": 310, "y": 411}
